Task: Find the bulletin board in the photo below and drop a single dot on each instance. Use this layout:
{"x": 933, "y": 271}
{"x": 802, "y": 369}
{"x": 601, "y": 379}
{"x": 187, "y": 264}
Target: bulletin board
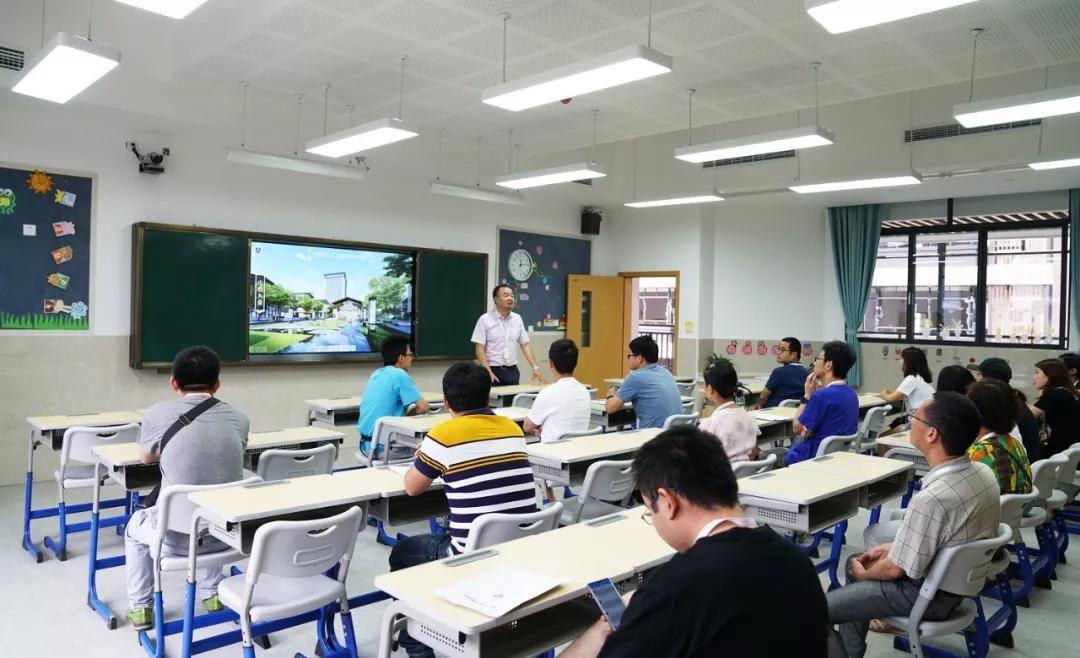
{"x": 44, "y": 250}
{"x": 536, "y": 266}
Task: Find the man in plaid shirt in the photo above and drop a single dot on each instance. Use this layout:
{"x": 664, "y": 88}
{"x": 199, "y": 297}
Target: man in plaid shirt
{"x": 958, "y": 504}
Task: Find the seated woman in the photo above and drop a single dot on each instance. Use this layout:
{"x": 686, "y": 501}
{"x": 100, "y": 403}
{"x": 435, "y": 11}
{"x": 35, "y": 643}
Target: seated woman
{"x": 736, "y": 429}
{"x": 954, "y": 379}
{"x": 1057, "y": 405}
{"x": 914, "y": 389}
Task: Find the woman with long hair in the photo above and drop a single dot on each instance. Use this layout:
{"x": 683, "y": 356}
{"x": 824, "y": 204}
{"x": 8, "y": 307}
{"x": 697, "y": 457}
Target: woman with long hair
{"x": 1057, "y": 405}
{"x": 915, "y": 388}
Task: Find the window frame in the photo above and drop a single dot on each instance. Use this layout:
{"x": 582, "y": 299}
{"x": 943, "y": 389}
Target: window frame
{"x": 983, "y": 231}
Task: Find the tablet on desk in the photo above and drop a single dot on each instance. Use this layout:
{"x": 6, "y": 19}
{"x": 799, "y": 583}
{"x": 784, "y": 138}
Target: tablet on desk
{"x": 608, "y": 600}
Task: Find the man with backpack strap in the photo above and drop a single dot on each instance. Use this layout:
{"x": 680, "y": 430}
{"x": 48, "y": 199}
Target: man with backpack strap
{"x": 196, "y": 439}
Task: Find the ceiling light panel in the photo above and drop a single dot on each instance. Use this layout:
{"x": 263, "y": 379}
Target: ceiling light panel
{"x": 360, "y": 138}
{"x": 740, "y": 147}
{"x": 859, "y": 184}
{"x": 170, "y": 8}
{"x": 66, "y": 66}
{"x": 551, "y": 176}
{"x": 675, "y": 201}
{"x": 838, "y": 16}
{"x": 1021, "y": 107}
{"x": 1055, "y": 164}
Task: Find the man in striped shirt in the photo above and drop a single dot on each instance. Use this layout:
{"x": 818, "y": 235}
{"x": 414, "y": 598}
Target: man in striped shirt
{"x": 482, "y": 461}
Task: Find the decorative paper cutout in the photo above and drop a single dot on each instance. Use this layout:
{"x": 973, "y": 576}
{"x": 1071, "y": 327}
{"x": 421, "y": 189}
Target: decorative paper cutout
{"x": 59, "y": 280}
{"x": 748, "y": 348}
{"x": 7, "y": 201}
{"x": 732, "y": 347}
{"x": 761, "y": 349}
{"x": 64, "y": 198}
{"x": 39, "y": 181}
{"x": 56, "y": 306}
{"x": 776, "y": 349}
{"x": 62, "y": 255}
{"x": 29, "y": 230}
{"x": 808, "y": 349}
{"x": 79, "y": 310}
{"x": 63, "y": 228}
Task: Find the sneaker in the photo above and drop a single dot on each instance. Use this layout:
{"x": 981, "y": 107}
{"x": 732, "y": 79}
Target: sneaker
{"x": 213, "y": 604}
{"x": 141, "y": 619}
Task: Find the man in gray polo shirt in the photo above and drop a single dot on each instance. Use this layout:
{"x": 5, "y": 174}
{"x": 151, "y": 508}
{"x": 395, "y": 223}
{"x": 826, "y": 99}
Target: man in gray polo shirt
{"x": 210, "y": 450}
{"x": 958, "y": 504}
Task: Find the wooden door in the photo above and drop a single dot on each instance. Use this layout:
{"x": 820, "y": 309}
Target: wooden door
{"x": 595, "y": 321}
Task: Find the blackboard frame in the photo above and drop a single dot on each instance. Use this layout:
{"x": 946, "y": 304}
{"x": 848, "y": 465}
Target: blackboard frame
{"x": 138, "y": 235}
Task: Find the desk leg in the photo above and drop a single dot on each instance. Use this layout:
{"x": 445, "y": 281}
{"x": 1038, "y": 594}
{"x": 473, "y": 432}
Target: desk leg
{"x": 393, "y": 621}
{"x": 835, "y": 552}
{"x": 28, "y": 511}
{"x": 93, "y": 563}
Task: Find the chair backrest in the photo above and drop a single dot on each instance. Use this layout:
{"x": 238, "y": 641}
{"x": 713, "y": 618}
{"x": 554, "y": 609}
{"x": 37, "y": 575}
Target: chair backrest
{"x": 681, "y": 419}
{"x": 78, "y": 441}
{"x": 962, "y": 569}
{"x": 1013, "y": 506}
{"x": 836, "y": 444}
{"x": 746, "y": 469}
{"x": 174, "y": 508}
{"x": 592, "y": 431}
{"x": 872, "y": 424}
{"x": 789, "y": 404}
{"x": 496, "y": 528}
{"x": 1067, "y": 470}
{"x": 609, "y": 481}
{"x": 1044, "y": 477}
{"x": 300, "y": 549}
{"x": 686, "y": 389}
{"x": 279, "y": 464}
{"x": 524, "y": 400}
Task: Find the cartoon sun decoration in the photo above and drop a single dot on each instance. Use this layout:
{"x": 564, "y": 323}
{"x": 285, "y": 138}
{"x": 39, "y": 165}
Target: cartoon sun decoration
{"x": 40, "y": 182}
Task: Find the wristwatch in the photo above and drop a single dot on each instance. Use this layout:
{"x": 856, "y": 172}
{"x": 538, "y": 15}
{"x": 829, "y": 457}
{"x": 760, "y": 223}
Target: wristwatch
{"x": 804, "y": 400}
{"x": 536, "y": 368}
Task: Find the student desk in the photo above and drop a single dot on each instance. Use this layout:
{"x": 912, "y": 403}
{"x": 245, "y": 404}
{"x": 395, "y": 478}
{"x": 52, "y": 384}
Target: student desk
{"x": 620, "y": 547}
{"x": 411, "y": 430}
{"x": 561, "y": 461}
{"x": 871, "y": 400}
{"x": 774, "y": 423}
{"x": 290, "y": 438}
{"x": 503, "y": 396}
{"x": 51, "y": 429}
{"x": 346, "y": 410}
{"x": 621, "y": 418}
{"x": 879, "y": 479}
{"x": 902, "y": 440}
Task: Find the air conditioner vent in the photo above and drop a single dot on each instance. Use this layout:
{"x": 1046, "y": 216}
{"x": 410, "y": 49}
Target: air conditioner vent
{"x": 12, "y": 59}
{"x": 948, "y": 130}
{"x": 781, "y": 155}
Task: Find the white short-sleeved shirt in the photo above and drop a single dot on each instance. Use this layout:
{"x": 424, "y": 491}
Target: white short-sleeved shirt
{"x": 915, "y": 390}
{"x": 500, "y": 337}
{"x": 736, "y": 429}
{"x": 563, "y": 407}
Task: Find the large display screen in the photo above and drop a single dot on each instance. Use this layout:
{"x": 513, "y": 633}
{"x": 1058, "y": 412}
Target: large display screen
{"x": 310, "y": 299}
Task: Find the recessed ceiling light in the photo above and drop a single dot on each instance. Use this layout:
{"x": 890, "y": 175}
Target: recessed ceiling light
{"x": 676, "y": 201}
{"x": 170, "y": 8}
{"x": 551, "y": 176}
{"x": 739, "y": 147}
{"x": 1055, "y": 164}
{"x": 65, "y": 67}
{"x": 859, "y": 184}
{"x": 360, "y": 138}
{"x": 838, "y": 16}
{"x": 1021, "y": 107}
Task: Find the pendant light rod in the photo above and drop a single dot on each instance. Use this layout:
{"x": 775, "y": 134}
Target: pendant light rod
{"x": 243, "y": 114}
{"x": 509, "y": 151}
{"x": 90, "y": 21}
{"x": 401, "y": 90}
{"x": 43, "y": 3}
{"x": 648, "y": 38}
{"x": 595, "y": 114}
{"x": 325, "y": 107}
{"x": 299, "y": 103}
{"x": 1042, "y": 123}
{"x": 911, "y": 128}
{"x": 517, "y": 157}
{"x": 438, "y": 156}
{"x": 477, "y": 164}
{"x": 505, "y": 19}
{"x": 350, "y": 107}
{"x": 975, "y": 32}
{"x": 690, "y": 116}
{"x": 817, "y": 95}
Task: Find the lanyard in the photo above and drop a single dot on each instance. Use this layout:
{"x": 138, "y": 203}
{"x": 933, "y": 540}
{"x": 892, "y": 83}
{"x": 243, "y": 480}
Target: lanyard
{"x": 737, "y": 521}
{"x": 960, "y": 464}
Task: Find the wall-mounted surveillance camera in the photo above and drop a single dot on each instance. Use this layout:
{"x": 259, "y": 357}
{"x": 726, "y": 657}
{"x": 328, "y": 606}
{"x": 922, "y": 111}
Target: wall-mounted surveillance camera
{"x": 151, "y": 162}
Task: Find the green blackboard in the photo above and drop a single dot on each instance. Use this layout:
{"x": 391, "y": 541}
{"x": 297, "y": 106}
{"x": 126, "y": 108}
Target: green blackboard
{"x": 190, "y": 288}
{"x": 451, "y": 293}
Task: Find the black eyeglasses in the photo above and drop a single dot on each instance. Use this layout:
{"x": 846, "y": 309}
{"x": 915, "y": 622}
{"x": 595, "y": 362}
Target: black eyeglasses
{"x": 911, "y": 416}
{"x": 630, "y": 356}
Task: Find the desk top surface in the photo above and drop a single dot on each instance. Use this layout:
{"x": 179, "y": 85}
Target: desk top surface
{"x": 618, "y": 381}
{"x": 858, "y": 467}
{"x": 774, "y": 416}
{"x": 871, "y": 400}
{"x": 516, "y": 389}
{"x": 593, "y": 447}
{"x": 349, "y": 403}
{"x": 267, "y": 499}
{"x": 423, "y": 424}
{"x": 613, "y": 550}
{"x": 898, "y": 440}
{"x": 794, "y": 485}
{"x": 127, "y": 454}
{"x": 97, "y": 419}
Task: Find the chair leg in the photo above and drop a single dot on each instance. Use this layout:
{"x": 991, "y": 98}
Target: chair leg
{"x": 59, "y": 545}
{"x": 875, "y": 515}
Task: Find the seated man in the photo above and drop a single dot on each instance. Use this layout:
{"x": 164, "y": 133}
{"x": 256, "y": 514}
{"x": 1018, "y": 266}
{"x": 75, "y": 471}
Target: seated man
{"x": 996, "y": 446}
{"x": 829, "y": 406}
{"x": 196, "y": 439}
{"x": 787, "y": 381}
{"x": 482, "y": 461}
{"x": 563, "y": 407}
{"x": 1072, "y": 364}
{"x": 958, "y": 503}
{"x": 1026, "y": 425}
{"x": 730, "y": 584}
{"x": 390, "y": 390}
{"x": 649, "y": 386}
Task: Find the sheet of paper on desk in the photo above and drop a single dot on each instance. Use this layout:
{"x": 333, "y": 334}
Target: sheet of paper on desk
{"x": 498, "y": 591}
{"x": 765, "y": 415}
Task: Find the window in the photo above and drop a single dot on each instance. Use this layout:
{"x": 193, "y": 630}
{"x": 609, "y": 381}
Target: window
{"x": 982, "y": 280}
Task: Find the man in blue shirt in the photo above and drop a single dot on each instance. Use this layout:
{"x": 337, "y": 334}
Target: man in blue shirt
{"x": 829, "y": 407}
{"x": 787, "y": 381}
{"x": 650, "y": 387}
{"x": 390, "y": 390}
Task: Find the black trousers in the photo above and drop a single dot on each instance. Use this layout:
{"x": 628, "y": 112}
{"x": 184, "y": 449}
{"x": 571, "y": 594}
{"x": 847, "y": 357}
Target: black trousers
{"x": 508, "y": 375}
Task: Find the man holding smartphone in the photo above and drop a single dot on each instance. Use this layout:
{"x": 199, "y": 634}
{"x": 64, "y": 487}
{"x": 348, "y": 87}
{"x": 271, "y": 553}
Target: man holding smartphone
{"x": 731, "y": 581}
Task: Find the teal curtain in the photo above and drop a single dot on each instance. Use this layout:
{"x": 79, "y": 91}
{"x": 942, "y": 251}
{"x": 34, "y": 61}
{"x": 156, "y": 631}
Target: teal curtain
{"x": 855, "y": 231}
{"x": 1074, "y": 250}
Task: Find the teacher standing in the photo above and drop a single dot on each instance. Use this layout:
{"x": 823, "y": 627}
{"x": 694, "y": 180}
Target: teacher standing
{"x": 496, "y": 337}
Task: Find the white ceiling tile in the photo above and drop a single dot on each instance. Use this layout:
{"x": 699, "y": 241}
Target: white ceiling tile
{"x": 748, "y": 52}
{"x": 262, "y": 47}
{"x": 779, "y": 77}
{"x": 482, "y": 80}
{"x": 442, "y": 65}
{"x": 810, "y": 36}
{"x": 492, "y": 7}
{"x": 224, "y": 66}
{"x": 957, "y": 40}
{"x": 866, "y": 59}
{"x": 833, "y": 91}
{"x": 300, "y": 22}
{"x": 487, "y": 44}
{"x": 285, "y": 80}
{"x": 561, "y": 21}
{"x": 1064, "y": 49}
{"x": 699, "y": 25}
{"x": 902, "y": 79}
{"x": 640, "y": 8}
{"x": 374, "y": 46}
{"x": 610, "y": 41}
{"x": 423, "y": 19}
{"x": 991, "y": 62}
{"x": 1053, "y": 19}
{"x": 772, "y": 11}
{"x": 389, "y": 79}
{"x": 755, "y": 106}
{"x": 328, "y": 65}
{"x": 543, "y": 62}
{"x": 969, "y": 16}
{"x": 719, "y": 90}
{"x": 349, "y": 6}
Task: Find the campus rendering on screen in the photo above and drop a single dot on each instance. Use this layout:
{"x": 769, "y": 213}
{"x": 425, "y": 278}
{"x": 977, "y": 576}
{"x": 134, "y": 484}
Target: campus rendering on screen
{"x": 307, "y": 299}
